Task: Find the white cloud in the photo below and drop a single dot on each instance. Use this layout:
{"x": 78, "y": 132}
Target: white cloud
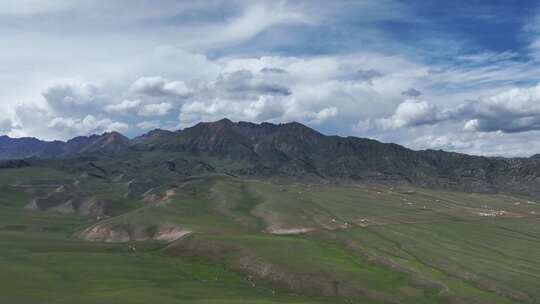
{"x": 411, "y": 113}
{"x": 323, "y": 115}
{"x": 87, "y": 125}
{"x": 148, "y": 125}
{"x": 255, "y": 18}
{"x": 320, "y": 82}
{"x": 210, "y": 69}
{"x": 157, "y": 86}
{"x": 264, "y": 108}
{"x": 124, "y": 107}
{"x": 117, "y": 126}
{"x": 69, "y": 109}
{"x": 516, "y": 101}
{"x": 471, "y": 125}
{"x": 480, "y": 143}
{"x": 157, "y": 109}
{"x": 319, "y": 90}
{"x": 513, "y": 110}
{"x": 67, "y": 94}
{"x": 73, "y": 97}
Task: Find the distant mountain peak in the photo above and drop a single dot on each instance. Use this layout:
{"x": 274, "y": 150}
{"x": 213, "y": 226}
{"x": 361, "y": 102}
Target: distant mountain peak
{"x": 296, "y": 126}
{"x": 224, "y": 121}
{"x": 219, "y": 124}
{"x": 114, "y": 136}
{"x": 108, "y": 141}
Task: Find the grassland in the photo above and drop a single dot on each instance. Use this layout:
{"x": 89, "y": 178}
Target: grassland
{"x": 261, "y": 241}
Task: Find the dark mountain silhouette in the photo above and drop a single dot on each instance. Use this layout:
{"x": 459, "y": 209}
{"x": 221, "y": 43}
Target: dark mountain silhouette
{"x": 28, "y": 147}
{"x": 295, "y": 151}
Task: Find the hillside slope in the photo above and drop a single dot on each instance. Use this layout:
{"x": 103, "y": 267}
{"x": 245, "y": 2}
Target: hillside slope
{"x": 293, "y": 150}
{"x": 143, "y": 228}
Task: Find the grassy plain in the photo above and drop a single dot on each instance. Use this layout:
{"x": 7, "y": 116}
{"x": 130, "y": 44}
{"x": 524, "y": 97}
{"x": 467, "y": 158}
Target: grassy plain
{"x": 263, "y": 241}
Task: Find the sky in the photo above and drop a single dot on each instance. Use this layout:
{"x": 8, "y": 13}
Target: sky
{"x": 456, "y": 75}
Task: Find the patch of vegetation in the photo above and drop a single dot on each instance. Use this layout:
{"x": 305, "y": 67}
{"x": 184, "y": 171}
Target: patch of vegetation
{"x": 258, "y": 241}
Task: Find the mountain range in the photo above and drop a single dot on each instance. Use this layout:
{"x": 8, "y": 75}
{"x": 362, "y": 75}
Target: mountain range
{"x": 226, "y": 212}
{"x": 293, "y": 150}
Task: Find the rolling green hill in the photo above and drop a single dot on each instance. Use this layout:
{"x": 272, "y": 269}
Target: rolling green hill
{"x": 167, "y": 227}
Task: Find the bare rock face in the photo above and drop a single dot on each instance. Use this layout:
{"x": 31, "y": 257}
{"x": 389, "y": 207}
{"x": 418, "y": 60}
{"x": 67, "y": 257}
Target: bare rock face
{"x": 289, "y": 231}
{"x": 156, "y": 198}
{"x": 169, "y": 234}
{"x": 105, "y": 233}
{"x": 122, "y": 234}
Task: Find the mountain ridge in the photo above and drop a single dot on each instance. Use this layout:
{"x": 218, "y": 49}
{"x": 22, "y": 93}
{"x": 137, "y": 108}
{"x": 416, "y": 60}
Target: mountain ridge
{"x": 83, "y": 139}
{"x": 294, "y": 150}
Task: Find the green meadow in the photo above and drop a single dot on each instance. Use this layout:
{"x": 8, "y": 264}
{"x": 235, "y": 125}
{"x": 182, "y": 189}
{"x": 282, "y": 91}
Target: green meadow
{"x": 260, "y": 241}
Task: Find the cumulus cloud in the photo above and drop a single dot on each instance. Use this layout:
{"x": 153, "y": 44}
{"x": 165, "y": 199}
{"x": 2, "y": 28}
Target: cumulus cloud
{"x": 411, "y": 113}
{"x": 69, "y": 109}
{"x": 212, "y": 68}
{"x": 85, "y": 126}
{"x": 155, "y": 109}
{"x": 73, "y": 97}
{"x": 363, "y": 92}
{"x": 70, "y": 94}
{"x": 124, "y": 107}
{"x": 498, "y": 124}
{"x": 323, "y": 115}
{"x": 245, "y": 82}
{"x": 157, "y": 86}
{"x": 315, "y": 90}
{"x": 323, "y": 82}
{"x": 480, "y": 143}
{"x": 264, "y": 108}
{"x": 503, "y": 124}
{"x": 471, "y": 125}
{"x": 510, "y": 111}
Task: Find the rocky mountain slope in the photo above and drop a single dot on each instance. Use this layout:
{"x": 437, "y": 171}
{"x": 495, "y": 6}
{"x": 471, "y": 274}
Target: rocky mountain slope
{"x": 28, "y": 147}
{"x": 293, "y": 150}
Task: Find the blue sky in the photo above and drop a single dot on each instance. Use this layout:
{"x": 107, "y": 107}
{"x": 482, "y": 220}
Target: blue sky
{"x": 455, "y": 75}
